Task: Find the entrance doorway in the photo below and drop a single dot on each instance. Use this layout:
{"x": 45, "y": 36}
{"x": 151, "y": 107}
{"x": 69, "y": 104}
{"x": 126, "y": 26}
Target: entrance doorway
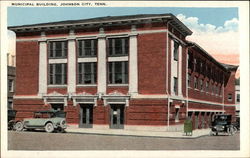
{"x": 86, "y": 116}
{"x": 117, "y": 116}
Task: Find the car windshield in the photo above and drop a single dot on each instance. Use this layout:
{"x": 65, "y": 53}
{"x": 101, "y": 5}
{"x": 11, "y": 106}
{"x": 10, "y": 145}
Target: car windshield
{"x": 218, "y": 122}
{"x": 60, "y": 114}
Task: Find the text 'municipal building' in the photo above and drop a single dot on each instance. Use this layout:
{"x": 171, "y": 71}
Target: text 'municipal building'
{"x": 132, "y": 72}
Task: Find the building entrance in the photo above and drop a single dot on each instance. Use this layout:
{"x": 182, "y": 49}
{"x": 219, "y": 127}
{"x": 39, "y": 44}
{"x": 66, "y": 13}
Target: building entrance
{"x": 86, "y": 116}
{"x": 117, "y": 116}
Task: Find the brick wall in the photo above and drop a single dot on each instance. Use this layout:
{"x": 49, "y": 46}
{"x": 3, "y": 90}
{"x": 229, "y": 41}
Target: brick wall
{"x": 147, "y": 112}
{"x": 152, "y": 63}
{"x": 27, "y": 65}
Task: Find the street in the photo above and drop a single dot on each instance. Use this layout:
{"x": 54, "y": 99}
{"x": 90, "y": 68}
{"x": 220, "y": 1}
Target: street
{"x": 72, "y": 141}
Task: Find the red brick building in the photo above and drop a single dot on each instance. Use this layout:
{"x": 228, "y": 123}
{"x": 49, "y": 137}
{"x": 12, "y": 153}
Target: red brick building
{"x": 132, "y": 72}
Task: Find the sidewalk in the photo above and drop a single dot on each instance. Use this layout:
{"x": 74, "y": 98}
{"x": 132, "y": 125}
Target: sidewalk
{"x": 122, "y": 132}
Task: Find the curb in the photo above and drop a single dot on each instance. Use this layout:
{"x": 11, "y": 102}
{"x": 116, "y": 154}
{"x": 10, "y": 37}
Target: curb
{"x": 131, "y": 135}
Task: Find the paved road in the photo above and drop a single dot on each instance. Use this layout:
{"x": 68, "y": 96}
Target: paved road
{"x": 72, "y": 141}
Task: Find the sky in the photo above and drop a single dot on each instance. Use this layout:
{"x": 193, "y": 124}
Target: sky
{"x": 214, "y": 29}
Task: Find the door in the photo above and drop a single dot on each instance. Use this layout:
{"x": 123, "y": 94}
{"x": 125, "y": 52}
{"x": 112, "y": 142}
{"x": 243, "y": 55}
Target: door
{"x": 117, "y": 116}
{"x": 86, "y": 116}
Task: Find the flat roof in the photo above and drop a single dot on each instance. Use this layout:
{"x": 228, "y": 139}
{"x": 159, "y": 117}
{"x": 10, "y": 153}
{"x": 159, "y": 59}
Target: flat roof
{"x": 104, "y": 21}
{"x": 225, "y": 66}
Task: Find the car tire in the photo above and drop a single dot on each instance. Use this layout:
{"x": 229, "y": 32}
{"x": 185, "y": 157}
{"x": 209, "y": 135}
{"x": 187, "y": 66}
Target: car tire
{"x": 19, "y": 126}
{"x": 49, "y": 127}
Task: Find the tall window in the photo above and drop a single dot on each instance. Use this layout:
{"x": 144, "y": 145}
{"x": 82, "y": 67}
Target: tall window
{"x": 10, "y": 85}
{"x": 190, "y": 60}
{"x": 207, "y": 86}
{"x": 195, "y": 82}
{"x": 189, "y": 80}
{"x": 118, "y": 72}
{"x": 58, "y": 49}
{"x": 118, "y": 46}
{"x": 212, "y": 88}
{"x": 87, "y": 48}
{"x": 201, "y": 84}
{"x": 57, "y": 74}
{"x": 87, "y": 73}
{"x": 176, "y": 50}
{"x": 198, "y": 66}
{"x": 175, "y": 85}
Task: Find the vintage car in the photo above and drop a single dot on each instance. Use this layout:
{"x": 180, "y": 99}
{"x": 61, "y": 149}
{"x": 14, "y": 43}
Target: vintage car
{"x": 50, "y": 120}
{"x": 222, "y": 123}
{"x": 11, "y": 119}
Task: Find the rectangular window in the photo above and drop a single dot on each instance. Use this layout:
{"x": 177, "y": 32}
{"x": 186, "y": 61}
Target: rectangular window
{"x": 175, "y": 85}
{"x": 87, "y": 73}
{"x": 118, "y": 72}
{"x": 229, "y": 97}
{"x": 118, "y": 46}
{"x": 238, "y": 98}
{"x": 207, "y": 86}
{"x": 190, "y": 60}
{"x": 195, "y": 65}
{"x": 201, "y": 85}
{"x": 58, "y": 49}
{"x": 11, "y": 85}
{"x": 212, "y": 88}
{"x": 195, "y": 82}
{"x": 87, "y": 48}
{"x": 189, "y": 80}
{"x": 57, "y": 74}
{"x": 198, "y": 66}
{"x": 176, "y": 50}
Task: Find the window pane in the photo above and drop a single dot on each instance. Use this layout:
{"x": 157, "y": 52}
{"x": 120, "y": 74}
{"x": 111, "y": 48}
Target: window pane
{"x": 118, "y": 46}
{"x": 58, "y": 49}
{"x": 87, "y": 48}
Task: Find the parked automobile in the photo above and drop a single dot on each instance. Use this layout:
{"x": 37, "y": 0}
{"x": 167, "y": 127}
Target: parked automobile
{"x": 222, "y": 123}
{"x": 49, "y": 120}
{"x": 11, "y": 119}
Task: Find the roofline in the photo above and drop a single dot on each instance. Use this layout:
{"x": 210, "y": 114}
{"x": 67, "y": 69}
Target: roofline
{"x": 226, "y": 67}
{"x": 71, "y": 24}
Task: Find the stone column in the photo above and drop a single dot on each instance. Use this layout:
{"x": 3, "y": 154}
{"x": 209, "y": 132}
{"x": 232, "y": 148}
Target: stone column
{"x": 180, "y": 70}
{"x": 71, "y": 64}
{"x": 133, "y": 68}
{"x": 42, "y": 86}
{"x": 101, "y": 69}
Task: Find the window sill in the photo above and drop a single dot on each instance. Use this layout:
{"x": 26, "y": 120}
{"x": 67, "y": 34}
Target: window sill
{"x": 86, "y": 85}
{"x": 117, "y": 85}
{"x": 57, "y": 86}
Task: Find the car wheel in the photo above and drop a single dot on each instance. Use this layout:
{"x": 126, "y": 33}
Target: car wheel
{"x": 49, "y": 127}
{"x": 19, "y": 126}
